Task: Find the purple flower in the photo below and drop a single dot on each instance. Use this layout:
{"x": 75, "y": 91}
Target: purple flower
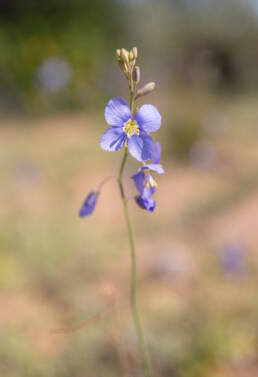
{"x": 233, "y": 257}
{"x": 145, "y": 203}
{"x": 156, "y": 156}
{"x": 89, "y": 204}
{"x": 145, "y": 183}
{"x": 143, "y": 179}
{"x": 144, "y": 199}
{"x": 126, "y": 128}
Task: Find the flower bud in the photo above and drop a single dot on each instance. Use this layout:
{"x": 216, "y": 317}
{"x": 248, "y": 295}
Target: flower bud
{"x": 131, "y": 56}
{"x": 123, "y": 66}
{"x": 124, "y": 55}
{"x": 136, "y": 74}
{"x": 135, "y": 52}
{"x": 118, "y": 53}
{"x": 146, "y": 89}
{"x": 89, "y": 204}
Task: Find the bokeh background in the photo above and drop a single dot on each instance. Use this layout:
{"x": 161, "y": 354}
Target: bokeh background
{"x": 197, "y": 253}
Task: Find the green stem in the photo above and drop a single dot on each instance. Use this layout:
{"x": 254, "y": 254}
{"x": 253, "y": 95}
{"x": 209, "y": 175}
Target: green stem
{"x": 143, "y": 348}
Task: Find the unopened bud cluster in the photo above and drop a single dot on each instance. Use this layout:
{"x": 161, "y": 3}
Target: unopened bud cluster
{"x": 127, "y": 60}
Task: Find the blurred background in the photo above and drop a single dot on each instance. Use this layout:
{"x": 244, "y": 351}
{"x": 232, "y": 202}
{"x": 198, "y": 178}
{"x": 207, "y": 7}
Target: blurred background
{"x": 196, "y": 253}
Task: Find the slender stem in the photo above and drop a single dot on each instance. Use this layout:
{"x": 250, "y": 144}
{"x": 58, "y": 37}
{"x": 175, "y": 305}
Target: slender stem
{"x": 143, "y": 348}
{"x": 131, "y": 95}
{"x": 105, "y": 180}
{"x": 121, "y": 170}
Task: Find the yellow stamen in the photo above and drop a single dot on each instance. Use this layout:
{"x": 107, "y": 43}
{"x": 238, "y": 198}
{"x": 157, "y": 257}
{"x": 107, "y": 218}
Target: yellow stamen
{"x": 153, "y": 183}
{"x": 131, "y": 128}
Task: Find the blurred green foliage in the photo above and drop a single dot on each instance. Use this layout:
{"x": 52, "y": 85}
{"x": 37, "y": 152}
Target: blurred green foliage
{"x": 205, "y": 43}
{"x": 82, "y": 33}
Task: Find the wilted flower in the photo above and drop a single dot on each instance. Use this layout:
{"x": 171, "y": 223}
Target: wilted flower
{"x": 89, "y": 204}
{"x": 145, "y": 183}
{"x": 154, "y": 166}
{"x": 145, "y": 203}
{"x": 143, "y": 178}
{"x": 131, "y": 129}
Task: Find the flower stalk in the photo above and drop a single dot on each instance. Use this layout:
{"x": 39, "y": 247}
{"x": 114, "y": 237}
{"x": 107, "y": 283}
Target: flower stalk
{"x": 134, "y": 308}
{"x": 130, "y": 128}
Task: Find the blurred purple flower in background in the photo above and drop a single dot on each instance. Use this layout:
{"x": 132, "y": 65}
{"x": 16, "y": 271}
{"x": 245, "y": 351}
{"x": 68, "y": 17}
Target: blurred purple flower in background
{"x": 233, "y": 257}
{"x": 54, "y": 74}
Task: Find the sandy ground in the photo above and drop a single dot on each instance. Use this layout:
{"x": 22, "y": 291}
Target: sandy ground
{"x": 46, "y": 170}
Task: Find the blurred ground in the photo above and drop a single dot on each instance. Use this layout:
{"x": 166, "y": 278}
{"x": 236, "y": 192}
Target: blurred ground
{"x": 197, "y": 262}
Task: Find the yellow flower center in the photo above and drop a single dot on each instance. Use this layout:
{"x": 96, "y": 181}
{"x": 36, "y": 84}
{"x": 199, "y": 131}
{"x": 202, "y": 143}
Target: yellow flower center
{"x": 149, "y": 181}
{"x": 153, "y": 183}
{"x": 131, "y": 128}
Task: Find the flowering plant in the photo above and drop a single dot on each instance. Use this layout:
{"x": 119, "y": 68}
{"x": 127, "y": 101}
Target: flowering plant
{"x": 129, "y": 130}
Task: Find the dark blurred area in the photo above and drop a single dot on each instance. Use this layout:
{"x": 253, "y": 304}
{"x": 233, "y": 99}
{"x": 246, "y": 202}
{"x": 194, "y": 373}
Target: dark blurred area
{"x": 54, "y": 53}
{"x": 197, "y": 253}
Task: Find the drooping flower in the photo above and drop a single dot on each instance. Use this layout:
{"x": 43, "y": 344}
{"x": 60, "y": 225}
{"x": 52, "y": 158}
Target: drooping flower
{"x": 143, "y": 179}
{"x": 133, "y": 130}
{"x": 145, "y": 183}
{"x": 144, "y": 199}
{"x": 89, "y": 204}
{"x": 146, "y": 203}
